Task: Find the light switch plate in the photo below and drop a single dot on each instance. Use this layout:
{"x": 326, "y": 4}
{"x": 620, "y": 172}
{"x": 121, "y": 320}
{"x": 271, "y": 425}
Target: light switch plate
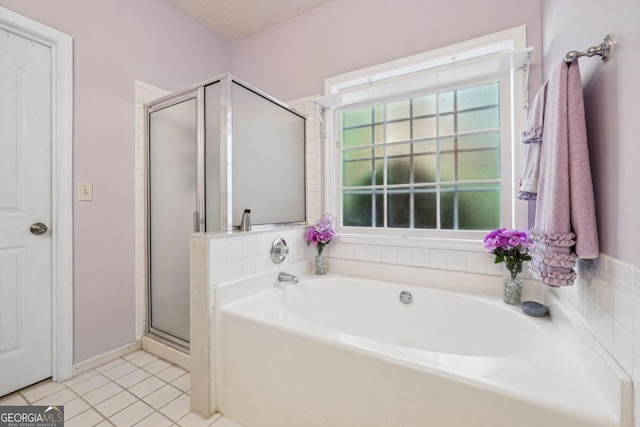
{"x": 85, "y": 191}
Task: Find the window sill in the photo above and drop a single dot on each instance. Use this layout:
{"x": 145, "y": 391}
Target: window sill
{"x": 412, "y": 242}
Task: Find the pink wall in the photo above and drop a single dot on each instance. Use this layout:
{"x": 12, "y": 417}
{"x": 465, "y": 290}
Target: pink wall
{"x": 115, "y": 43}
{"x": 612, "y": 94}
{"x": 292, "y": 60}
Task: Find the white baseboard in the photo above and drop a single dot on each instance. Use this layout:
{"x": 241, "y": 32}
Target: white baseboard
{"x": 166, "y": 352}
{"x": 94, "y": 362}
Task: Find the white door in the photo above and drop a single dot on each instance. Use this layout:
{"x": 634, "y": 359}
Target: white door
{"x": 25, "y": 199}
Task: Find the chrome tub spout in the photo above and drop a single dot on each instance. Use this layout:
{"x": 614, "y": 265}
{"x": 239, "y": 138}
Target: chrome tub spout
{"x": 286, "y": 277}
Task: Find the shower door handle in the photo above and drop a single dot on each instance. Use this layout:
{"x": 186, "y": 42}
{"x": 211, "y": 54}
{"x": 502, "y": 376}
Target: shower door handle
{"x": 196, "y": 222}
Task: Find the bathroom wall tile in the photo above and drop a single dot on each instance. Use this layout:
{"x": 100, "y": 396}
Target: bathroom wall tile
{"x": 580, "y": 297}
{"x": 636, "y": 323}
{"x": 456, "y": 260}
{"x": 475, "y": 262}
{"x": 140, "y": 220}
{"x": 140, "y": 241}
{"x": 496, "y": 269}
{"x": 140, "y": 282}
{"x": 389, "y": 254}
{"x": 636, "y": 380}
{"x": 139, "y": 159}
{"x": 139, "y": 184}
{"x": 217, "y": 250}
{"x": 360, "y": 252}
{"x": 264, "y": 242}
{"x": 404, "y": 256}
{"x": 605, "y": 292}
{"x": 139, "y": 262}
{"x": 248, "y": 266}
{"x": 297, "y": 253}
{"x": 234, "y": 270}
{"x": 334, "y": 250}
{"x": 234, "y": 249}
{"x": 621, "y": 271}
{"x": 568, "y": 295}
{"x": 248, "y": 247}
{"x": 438, "y": 259}
{"x": 591, "y": 315}
{"x": 218, "y": 273}
{"x": 605, "y": 329}
{"x": 374, "y": 253}
{"x": 139, "y": 132}
{"x": 262, "y": 263}
{"x": 623, "y": 346}
{"x": 421, "y": 258}
{"x": 623, "y": 304}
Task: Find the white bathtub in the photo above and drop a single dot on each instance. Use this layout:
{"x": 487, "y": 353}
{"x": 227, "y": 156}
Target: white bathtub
{"x": 343, "y": 351}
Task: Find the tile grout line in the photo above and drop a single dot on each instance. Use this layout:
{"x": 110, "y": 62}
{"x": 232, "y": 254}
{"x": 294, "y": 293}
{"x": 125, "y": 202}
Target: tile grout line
{"x": 100, "y": 375}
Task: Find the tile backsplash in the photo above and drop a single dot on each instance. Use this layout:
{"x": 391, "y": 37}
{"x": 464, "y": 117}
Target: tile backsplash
{"x": 606, "y": 297}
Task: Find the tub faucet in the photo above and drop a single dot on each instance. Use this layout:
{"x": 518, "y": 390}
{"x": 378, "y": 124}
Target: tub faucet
{"x": 286, "y": 277}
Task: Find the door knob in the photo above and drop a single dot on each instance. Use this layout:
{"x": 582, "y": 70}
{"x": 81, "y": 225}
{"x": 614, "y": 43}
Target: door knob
{"x": 38, "y": 228}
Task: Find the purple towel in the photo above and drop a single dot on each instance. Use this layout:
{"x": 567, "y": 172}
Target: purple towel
{"x": 532, "y": 139}
{"x": 565, "y": 223}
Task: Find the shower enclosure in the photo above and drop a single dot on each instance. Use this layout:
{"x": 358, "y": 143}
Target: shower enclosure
{"x": 213, "y": 151}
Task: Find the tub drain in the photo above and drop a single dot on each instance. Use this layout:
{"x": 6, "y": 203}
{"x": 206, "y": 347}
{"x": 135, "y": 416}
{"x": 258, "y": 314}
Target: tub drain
{"x": 406, "y": 297}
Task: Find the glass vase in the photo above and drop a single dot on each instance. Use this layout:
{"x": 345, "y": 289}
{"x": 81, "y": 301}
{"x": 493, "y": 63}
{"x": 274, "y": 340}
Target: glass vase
{"x": 512, "y": 291}
{"x": 320, "y": 265}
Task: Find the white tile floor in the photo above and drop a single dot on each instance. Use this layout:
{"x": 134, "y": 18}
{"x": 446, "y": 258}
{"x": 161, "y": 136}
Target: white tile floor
{"x": 135, "y": 390}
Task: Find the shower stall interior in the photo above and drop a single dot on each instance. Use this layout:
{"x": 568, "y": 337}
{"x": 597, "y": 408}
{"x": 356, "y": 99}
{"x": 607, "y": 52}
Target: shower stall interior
{"x": 213, "y": 151}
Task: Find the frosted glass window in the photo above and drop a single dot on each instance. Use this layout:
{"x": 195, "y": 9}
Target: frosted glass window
{"x": 399, "y": 131}
{"x": 440, "y": 166}
{"x": 268, "y": 151}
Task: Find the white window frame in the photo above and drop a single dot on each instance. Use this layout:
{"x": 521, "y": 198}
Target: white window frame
{"x": 444, "y": 69}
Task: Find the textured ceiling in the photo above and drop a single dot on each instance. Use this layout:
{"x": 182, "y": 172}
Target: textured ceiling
{"x": 239, "y": 19}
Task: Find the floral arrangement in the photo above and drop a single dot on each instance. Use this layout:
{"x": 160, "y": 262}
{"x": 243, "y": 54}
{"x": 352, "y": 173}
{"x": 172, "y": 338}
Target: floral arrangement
{"x": 510, "y": 247}
{"x": 322, "y": 233}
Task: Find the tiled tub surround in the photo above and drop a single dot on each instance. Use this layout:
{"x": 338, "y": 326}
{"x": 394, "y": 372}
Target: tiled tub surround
{"x": 229, "y": 267}
{"x": 606, "y": 300}
{"x": 227, "y": 258}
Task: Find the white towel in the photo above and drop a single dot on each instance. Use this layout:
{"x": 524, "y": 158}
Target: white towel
{"x": 532, "y": 140}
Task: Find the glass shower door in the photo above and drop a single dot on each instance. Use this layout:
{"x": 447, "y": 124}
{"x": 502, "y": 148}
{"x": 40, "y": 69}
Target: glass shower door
{"x": 172, "y": 203}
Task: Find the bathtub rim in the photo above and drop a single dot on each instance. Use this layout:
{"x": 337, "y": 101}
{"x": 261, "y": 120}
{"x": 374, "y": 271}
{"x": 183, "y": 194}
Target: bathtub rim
{"x": 609, "y": 377}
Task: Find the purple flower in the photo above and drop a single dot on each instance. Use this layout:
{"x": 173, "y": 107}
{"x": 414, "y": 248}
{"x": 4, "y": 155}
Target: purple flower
{"x": 510, "y": 247}
{"x": 322, "y": 233}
